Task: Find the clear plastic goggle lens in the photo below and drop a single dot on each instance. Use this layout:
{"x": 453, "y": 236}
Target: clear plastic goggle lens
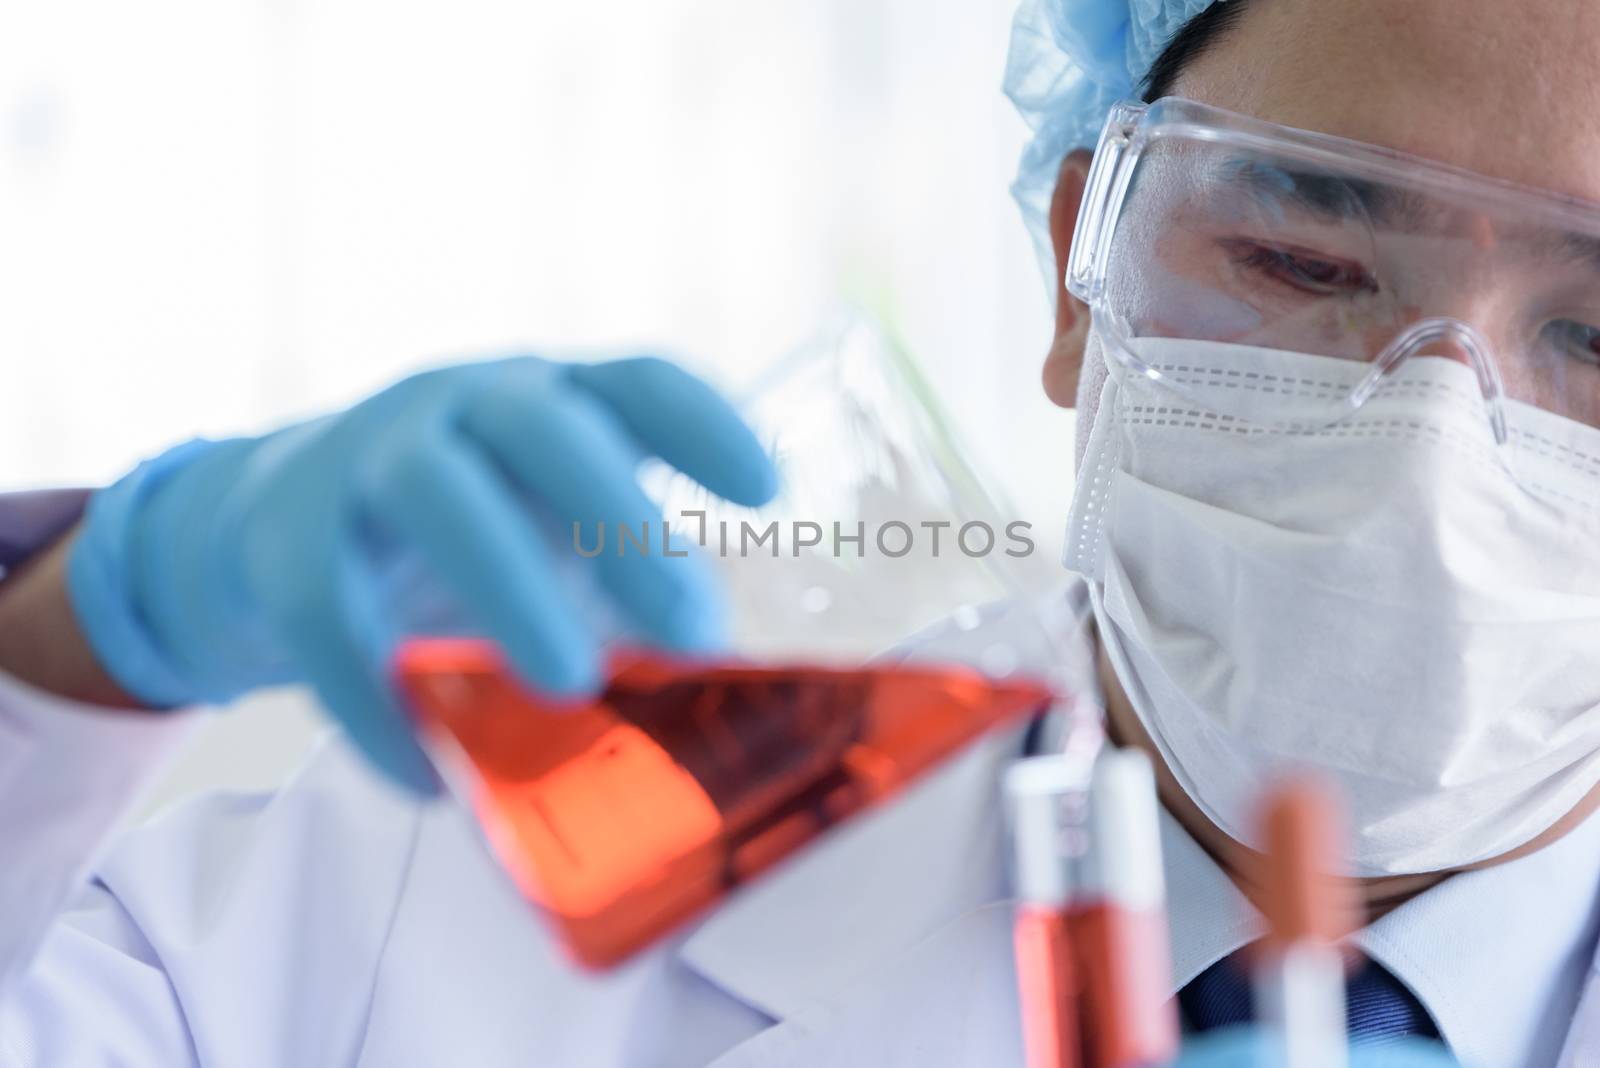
{"x": 1356, "y": 267}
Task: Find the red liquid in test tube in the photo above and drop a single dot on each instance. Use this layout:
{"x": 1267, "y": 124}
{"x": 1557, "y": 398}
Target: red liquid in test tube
{"x": 1093, "y": 961}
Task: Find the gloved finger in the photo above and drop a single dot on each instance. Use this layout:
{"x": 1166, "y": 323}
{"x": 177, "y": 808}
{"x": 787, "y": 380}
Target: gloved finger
{"x": 319, "y": 617}
{"x": 572, "y": 455}
{"x": 685, "y": 422}
{"x": 425, "y": 482}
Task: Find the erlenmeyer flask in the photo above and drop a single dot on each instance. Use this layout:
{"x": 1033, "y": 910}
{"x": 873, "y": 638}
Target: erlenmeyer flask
{"x": 624, "y": 816}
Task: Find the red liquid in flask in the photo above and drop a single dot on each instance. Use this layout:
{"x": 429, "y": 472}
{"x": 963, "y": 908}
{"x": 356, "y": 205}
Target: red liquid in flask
{"x": 624, "y": 816}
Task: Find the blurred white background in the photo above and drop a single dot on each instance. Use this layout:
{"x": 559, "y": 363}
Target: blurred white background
{"x": 220, "y": 214}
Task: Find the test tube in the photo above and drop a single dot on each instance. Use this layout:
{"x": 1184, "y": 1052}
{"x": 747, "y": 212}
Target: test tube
{"x": 1093, "y": 961}
{"x": 1118, "y": 924}
{"x": 1040, "y": 793}
{"x": 1299, "y": 974}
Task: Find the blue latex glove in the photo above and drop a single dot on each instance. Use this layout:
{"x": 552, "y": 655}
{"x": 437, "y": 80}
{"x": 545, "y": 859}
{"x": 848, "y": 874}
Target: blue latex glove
{"x": 1246, "y": 1047}
{"x": 220, "y": 567}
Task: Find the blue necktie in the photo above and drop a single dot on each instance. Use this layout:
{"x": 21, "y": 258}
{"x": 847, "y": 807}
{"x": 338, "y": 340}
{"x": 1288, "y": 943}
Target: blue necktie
{"x": 1377, "y": 1006}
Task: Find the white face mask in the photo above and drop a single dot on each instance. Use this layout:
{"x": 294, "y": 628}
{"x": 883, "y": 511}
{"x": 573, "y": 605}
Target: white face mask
{"x": 1378, "y": 600}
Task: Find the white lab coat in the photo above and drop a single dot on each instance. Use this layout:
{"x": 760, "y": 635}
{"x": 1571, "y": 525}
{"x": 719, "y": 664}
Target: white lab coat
{"x": 338, "y": 923}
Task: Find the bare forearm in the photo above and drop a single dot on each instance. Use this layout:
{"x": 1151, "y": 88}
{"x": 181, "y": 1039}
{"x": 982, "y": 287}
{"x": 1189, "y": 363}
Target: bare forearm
{"x": 40, "y": 641}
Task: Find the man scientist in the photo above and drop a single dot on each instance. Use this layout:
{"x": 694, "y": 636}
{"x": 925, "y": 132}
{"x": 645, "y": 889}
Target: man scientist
{"x": 1331, "y": 320}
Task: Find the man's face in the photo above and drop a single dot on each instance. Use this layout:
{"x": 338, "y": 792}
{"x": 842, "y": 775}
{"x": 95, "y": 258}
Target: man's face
{"x": 1501, "y": 89}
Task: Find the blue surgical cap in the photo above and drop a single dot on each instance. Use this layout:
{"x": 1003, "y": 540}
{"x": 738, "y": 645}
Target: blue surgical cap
{"x": 1070, "y": 61}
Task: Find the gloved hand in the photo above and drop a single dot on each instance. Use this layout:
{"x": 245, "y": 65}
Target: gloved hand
{"x": 224, "y": 566}
{"x": 1248, "y": 1047}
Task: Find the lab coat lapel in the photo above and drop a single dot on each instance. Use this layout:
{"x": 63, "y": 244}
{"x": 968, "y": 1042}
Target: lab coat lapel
{"x": 889, "y": 942}
{"x": 865, "y": 894}
{"x": 947, "y": 1001}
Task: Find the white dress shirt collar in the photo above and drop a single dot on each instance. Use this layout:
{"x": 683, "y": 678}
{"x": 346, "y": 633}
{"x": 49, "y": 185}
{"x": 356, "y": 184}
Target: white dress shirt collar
{"x": 1498, "y": 957}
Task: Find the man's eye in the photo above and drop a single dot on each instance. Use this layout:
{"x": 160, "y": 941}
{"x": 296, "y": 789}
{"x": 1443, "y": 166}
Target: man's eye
{"x": 1302, "y": 269}
{"x": 1578, "y": 340}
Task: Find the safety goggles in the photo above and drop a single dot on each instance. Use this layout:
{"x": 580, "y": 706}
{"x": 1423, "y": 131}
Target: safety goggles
{"x": 1203, "y": 225}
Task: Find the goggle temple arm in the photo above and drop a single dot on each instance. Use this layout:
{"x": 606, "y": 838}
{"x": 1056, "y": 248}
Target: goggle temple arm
{"x": 1103, "y": 192}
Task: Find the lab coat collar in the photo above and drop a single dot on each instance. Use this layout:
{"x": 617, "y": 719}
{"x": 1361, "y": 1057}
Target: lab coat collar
{"x": 866, "y": 893}
{"x": 873, "y": 889}
{"x": 915, "y": 966}
{"x": 862, "y": 896}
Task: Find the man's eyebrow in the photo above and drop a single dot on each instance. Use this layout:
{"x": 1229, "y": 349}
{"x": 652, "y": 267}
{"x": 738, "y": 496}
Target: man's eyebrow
{"x": 1342, "y": 200}
{"x": 1331, "y": 197}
